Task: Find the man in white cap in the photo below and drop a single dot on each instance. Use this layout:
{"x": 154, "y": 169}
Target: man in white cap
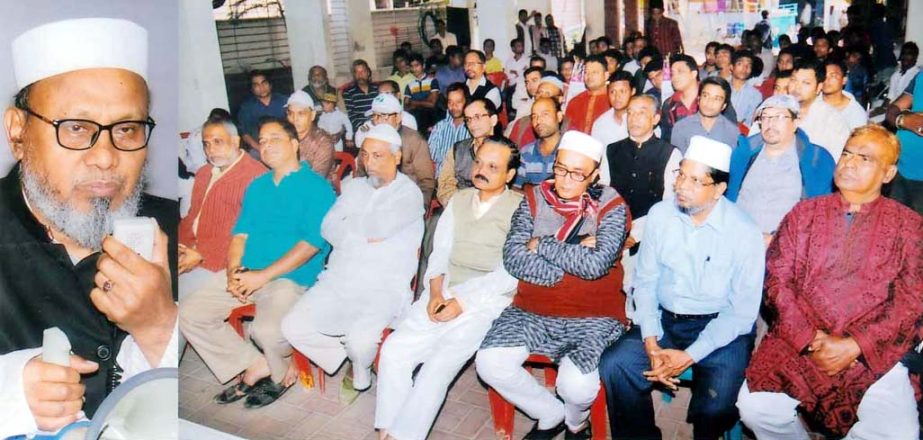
{"x": 564, "y": 246}
{"x": 79, "y": 127}
{"x": 415, "y": 161}
{"x": 276, "y": 252}
{"x": 315, "y": 146}
{"x": 775, "y": 169}
{"x": 697, "y": 290}
{"x": 465, "y": 289}
{"x": 375, "y": 228}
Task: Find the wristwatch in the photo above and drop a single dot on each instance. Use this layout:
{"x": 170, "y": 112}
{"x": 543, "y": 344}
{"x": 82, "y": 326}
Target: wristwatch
{"x": 899, "y": 120}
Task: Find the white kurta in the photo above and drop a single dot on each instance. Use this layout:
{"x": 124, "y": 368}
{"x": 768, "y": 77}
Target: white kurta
{"x": 375, "y": 234}
{"x": 406, "y": 407}
{"x": 825, "y": 127}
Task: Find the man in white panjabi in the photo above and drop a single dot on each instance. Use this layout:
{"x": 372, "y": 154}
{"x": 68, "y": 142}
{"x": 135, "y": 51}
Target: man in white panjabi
{"x": 466, "y": 288}
{"x": 375, "y": 228}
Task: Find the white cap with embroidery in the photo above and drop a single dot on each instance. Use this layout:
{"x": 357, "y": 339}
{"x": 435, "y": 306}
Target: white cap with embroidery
{"x": 582, "y": 143}
{"x": 709, "y": 152}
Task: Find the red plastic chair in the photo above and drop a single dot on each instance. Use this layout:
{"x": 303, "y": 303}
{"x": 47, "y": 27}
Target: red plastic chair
{"x": 343, "y": 161}
{"x": 302, "y": 364}
{"x": 503, "y": 411}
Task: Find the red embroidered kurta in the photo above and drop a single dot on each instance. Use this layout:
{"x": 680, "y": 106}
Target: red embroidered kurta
{"x": 219, "y": 210}
{"x": 583, "y": 110}
{"x": 665, "y": 36}
{"x": 864, "y": 281}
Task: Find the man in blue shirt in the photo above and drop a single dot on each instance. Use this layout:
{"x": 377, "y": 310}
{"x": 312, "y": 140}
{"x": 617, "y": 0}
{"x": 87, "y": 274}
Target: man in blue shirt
{"x": 262, "y": 102}
{"x": 538, "y": 156}
{"x": 276, "y": 253}
{"x": 697, "y": 290}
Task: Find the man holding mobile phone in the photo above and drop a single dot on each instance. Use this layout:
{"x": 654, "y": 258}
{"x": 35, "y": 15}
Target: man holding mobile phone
{"x": 79, "y": 127}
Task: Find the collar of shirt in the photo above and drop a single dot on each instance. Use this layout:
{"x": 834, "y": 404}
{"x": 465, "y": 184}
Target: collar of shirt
{"x": 715, "y": 218}
{"x": 481, "y": 208}
{"x": 217, "y": 172}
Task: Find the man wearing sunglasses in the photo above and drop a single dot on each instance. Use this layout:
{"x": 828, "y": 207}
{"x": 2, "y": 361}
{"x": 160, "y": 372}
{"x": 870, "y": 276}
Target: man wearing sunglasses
{"x": 79, "y": 128}
{"x": 564, "y": 246}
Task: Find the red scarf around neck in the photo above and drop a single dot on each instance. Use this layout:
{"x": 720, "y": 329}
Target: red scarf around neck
{"x": 573, "y": 211}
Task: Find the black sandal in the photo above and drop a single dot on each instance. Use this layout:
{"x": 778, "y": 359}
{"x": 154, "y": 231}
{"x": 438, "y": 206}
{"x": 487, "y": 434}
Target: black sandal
{"x": 237, "y": 391}
{"x": 265, "y": 393}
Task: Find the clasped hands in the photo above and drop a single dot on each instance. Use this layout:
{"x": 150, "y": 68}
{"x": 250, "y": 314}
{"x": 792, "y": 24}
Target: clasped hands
{"x": 242, "y": 282}
{"x": 666, "y": 364}
{"x": 833, "y": 354}
{"x": 440, "y": 309}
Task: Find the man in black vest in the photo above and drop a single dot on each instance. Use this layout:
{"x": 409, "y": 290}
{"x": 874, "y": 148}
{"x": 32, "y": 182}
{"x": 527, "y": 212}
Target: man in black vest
{"x": 641, "y": 170}
{"x": 79, "y": 128}
{"x": 481, "y": 120}
{"x": 478, "y": 85}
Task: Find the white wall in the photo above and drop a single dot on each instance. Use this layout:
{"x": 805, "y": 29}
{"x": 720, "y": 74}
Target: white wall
{"x": 306, "y": 21}
{"x": 595, "y": 19}
{"x": 160, "y": 18}
{"x": 915, "y": 22}
{"x": 201, "y": 79}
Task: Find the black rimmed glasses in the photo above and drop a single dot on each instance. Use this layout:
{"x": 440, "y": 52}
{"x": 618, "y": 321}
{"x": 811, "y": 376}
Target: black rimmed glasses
{"x": 82, "y": 134}
{"x": 696, "y": 182}
{"x": 576, "y": 176}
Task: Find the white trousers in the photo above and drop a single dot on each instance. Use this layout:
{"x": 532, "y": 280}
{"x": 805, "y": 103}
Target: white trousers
{"x": 359, "y": 343}
{"x": 502, "y": 369}
{"x": 887, "y": 411}
{"x": 407, "y": 406}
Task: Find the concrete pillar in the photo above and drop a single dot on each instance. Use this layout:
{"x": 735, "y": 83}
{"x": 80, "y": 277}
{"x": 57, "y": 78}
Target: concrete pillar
{"x": 613, "y": 21}
{"x": 360, "y": 27}
{"x": 308, "y": 38}
{"x": 496, "y": 20}
{"x": 914, "y": 22}
{"x": 595, "y": 19}
{"x": 201, "y": 77}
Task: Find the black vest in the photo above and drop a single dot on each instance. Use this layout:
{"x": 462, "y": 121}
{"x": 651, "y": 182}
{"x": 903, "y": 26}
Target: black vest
{"x": 481, "y": 91}
{"x": 637, "y": 173}
{"x": 464, "y": 161}
{"x": 40, "y": 287}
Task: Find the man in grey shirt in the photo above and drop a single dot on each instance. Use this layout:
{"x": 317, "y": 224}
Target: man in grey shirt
{"x": 714, "y": 97}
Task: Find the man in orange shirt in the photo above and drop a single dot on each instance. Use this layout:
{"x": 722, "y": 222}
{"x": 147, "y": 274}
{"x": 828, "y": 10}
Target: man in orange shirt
{"x": 591, "y": 103}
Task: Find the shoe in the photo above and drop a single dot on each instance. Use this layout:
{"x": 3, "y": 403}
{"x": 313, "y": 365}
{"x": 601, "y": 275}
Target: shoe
{"x": 544, "y": 434}
{"x": 265, "y": 394}
{"x": 237, "y": 391}
{"x": 584, "y": 434}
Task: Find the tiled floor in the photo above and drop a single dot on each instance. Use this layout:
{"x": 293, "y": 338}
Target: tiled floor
{"x": 307, "y": 414}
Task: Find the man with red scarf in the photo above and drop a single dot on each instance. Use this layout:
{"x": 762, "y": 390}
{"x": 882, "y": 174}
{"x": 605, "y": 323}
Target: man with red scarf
{"x": 563, "y": 246}
{"x": 844, "y": 281}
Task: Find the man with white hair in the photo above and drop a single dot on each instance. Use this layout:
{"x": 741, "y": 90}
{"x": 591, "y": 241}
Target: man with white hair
{"x": 415, "y": 162}
{"x": 465, "y": 289}
{"x": 217, "y": 194}
{"x": 79, "y": 128}
{"x": 697, "y": 290}
{"x": 275, "y": 253}
{"x": 315, "y": 146}
{"x": 375, "y": 228}
{"x": 564, "y": 245}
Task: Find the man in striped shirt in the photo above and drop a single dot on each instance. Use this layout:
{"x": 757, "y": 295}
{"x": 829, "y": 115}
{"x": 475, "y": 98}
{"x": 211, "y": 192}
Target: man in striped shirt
{"x": 452, "y": 128}
{"x": 358, "y": 97}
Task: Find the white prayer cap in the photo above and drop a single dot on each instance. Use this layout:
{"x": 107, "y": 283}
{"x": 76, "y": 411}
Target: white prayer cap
{"x": 384, "y": 133}
{"x": 553, "y": 80}
{"x": 86, "y": 43}
{"x": 709, "y": 152}
{"x": 385, "y": 103}
{"x": 582, "y": 143}
{"x": 300, "y": 99}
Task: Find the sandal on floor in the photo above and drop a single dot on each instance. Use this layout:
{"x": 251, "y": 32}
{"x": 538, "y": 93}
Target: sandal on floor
{"x": 237, "y": 391}
{"x": 264, "y": 394}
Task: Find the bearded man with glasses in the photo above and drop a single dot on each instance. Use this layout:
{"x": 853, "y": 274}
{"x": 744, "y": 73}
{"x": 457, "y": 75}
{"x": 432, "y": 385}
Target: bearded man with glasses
{"x": 697, "y": 290}
{"x": 564, "y": 245}
{"x": 79, "y": 128}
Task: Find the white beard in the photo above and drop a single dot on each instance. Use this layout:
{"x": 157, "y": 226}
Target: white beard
{"x": 87, "y": 229}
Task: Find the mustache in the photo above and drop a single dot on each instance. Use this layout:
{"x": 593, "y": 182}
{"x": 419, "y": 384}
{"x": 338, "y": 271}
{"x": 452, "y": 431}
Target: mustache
{"x": 100, "y": 177}
{"x": 481, "y": 177}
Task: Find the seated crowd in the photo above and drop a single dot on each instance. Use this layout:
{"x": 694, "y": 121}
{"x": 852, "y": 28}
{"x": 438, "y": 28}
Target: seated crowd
{"x": 742, "y": 220}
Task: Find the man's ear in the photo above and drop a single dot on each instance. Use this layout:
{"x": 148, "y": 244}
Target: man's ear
{"x": 14, "y": 121}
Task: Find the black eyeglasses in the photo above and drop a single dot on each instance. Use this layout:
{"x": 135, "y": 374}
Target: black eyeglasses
{"x": 82, "y": 134}
{"x": 576, "y": 176}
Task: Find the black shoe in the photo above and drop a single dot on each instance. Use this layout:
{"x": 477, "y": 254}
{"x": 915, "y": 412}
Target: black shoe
{"x": 584, "y": 434}
{"x": 544, "y": 434}
{"x": 238, "y": 391}
{"x": 264, "y": 394}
